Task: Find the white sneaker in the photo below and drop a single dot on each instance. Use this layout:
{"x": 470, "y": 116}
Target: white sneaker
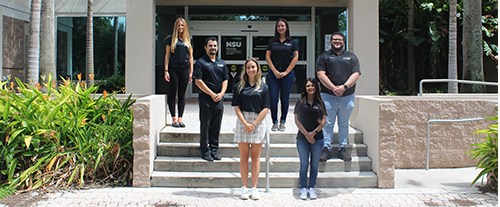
{"x": 312, "y": 193}
{"x": 255, "y": 194}
{"x": 303, "y": 194}
{"x": 275, "y": 127}
{"x": 245, "y": 194}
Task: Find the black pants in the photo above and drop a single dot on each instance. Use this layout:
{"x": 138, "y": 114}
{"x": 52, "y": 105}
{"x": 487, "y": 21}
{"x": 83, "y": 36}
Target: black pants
{"x": 210, "y": 122}
{"x": 179, "y": 79}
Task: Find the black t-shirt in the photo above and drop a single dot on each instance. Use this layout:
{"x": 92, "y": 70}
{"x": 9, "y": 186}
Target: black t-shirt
{"x": 338, "y": 69}
{"x": 179, "y": 58}
{"x": 211, "y": 73}
{"x": 250, "y": 100}
{"x": 281, "y": 53}
{"x": 309, "y": 115}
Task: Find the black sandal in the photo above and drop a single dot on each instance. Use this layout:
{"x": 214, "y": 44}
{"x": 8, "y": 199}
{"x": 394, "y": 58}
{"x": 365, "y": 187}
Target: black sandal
{"x": 175, "y": 124}
{"x": 181, "y": 124}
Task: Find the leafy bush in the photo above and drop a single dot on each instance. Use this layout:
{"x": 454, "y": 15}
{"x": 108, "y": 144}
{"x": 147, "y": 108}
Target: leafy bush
{"x": 63, "y": 136}
{"x": 115, "y": 83}
{"x": 487, "y": 151}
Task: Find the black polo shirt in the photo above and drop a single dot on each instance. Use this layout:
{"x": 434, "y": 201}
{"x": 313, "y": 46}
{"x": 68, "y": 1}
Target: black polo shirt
{"x": 338, "y": 69}
{"x": 179, "y": 58}
{"x": 308, "y": 115}
{"x": 250, "y": 100}
{"x": 281, "y": 52}
{"x": 211, "y": 73}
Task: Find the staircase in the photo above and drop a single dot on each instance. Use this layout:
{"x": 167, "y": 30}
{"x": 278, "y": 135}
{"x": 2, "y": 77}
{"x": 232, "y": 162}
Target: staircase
{"x": 178, "y": 162}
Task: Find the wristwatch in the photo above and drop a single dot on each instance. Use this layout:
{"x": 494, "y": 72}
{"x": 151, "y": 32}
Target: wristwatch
{"x": 345, "y": 86}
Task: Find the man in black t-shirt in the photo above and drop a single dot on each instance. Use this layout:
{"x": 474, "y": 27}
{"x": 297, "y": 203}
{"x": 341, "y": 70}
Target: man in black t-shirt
{"x": 211, "y": 77}
{"x": 338, "y": 70}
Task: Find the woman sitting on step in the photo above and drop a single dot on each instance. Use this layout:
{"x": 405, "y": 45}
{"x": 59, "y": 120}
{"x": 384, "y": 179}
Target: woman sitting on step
{"x": 251, "y": 104}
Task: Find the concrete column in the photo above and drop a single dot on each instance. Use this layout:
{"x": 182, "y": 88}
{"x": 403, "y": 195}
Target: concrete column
{"x": 140, "y": 47}
{"x": 363, "y": 40}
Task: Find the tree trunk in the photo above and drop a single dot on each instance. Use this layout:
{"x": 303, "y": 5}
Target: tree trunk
{"x": 90, "y": 44}
{"x": 472, "y": 46}
{"x": 47, "y": 42}
{"x": 411, "y": 47}
{"x": 115, "y": 46}
{"x": 452, "y": 49}
{"x": 34, "y": 43}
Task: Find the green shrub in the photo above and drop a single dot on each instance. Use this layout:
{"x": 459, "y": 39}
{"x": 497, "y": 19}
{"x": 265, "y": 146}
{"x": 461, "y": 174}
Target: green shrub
{"x": 68, "y": 135}
{"x": 487, "y": 151}
{"x": 115, "y": 83}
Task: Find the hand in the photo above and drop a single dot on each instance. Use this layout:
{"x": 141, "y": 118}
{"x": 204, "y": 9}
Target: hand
{"x": 277, "y": 74}
{"x": 310, "y": 137}
{"x": 217, "y": 97}
{"x": 339, "y": 90}
{"x": 248, "y": 127}
{"x": 167, "y": 77}
{"x": 283, "y": 74}
{"x": 190, "y": 78}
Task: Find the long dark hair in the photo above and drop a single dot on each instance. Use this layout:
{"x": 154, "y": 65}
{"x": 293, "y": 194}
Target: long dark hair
{"x": 277, "y": 34}
{"x": 317, "y": 97}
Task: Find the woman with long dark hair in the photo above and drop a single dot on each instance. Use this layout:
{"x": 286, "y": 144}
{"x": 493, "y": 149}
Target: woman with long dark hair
{"x": 282, "y": 54}
{"x": 310, "y": 118}
{"x": 251, "y": 104}
{"x": 178, "y": 68}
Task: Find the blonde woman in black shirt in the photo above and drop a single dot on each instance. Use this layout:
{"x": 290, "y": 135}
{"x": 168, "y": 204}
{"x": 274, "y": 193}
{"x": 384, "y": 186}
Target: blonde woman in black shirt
{"x": 251, "y": 104}
{"x": 178, "y": 68}
{"x": 310, "y": 118}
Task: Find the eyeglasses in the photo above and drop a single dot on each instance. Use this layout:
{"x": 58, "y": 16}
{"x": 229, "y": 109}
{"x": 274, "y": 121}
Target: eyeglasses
{"x": 337, "y": 39}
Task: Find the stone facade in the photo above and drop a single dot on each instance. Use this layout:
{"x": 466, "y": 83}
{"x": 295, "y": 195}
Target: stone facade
{"x": 402, "y": 132}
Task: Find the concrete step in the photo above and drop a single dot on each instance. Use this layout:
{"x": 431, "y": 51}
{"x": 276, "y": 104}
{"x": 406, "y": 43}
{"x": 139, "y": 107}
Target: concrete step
{"x": 191, "y": 134}
{"x": 276, "y": 164}
{"x": 363, "y": 179}
{"x": 231, "y": 150}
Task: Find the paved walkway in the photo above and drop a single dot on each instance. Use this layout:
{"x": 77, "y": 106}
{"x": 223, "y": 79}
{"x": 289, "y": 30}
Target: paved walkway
{"x": 435, "y": 187}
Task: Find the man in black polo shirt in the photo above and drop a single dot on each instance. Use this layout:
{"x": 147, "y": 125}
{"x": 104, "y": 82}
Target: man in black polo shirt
{"x": 338, "y": 70}
{"x": 210, "y": 75}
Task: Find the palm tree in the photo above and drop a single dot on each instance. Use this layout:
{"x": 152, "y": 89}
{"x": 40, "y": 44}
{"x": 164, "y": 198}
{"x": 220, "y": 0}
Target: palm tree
{"x": 411, "y": 47}
{"x": 472, "y": 46}
{"x": 47, "y": 35}
{"x": 90, "y": 44}
{"x": 452, "y": 49}
{"x": 115, "y": 46}
{"x": 34, "y": 43}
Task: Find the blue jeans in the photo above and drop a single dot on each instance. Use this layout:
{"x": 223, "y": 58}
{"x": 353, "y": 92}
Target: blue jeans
{"x": 307, "y": 150}
{"x": 340, "y": 107}
{"x": 275, "y": 85}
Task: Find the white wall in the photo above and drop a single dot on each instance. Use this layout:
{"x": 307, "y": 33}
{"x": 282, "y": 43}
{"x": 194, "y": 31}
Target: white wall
{"x": 363, "y": 40}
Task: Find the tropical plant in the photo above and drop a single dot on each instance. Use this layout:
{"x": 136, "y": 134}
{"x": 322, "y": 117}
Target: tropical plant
{"x": 487, "y": 152}
{"x": 63, "y": 137}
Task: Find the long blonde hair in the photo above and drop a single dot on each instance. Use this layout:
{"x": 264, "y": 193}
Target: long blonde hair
{"x": 186, "y": 40}
{"x": 244, "y": 76}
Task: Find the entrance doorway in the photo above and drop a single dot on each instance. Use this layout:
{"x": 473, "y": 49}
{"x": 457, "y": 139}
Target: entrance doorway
{"x": 239, "y": 41}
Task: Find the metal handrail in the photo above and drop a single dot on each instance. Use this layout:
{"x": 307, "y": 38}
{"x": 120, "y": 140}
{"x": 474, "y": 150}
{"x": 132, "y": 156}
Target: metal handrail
{"x": 268, "y": 148}
{"x": 420, "y": 88}
{"x": 442, "y": 120}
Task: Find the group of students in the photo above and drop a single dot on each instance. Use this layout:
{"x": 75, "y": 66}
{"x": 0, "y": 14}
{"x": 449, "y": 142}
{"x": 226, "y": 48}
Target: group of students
{"x": 321, "y": 102}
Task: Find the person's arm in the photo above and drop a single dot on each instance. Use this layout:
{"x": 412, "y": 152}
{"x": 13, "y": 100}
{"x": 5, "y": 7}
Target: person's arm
{"x": 260, "y": 117}
{"x": 309, "y": 135}
{"x": 271, "y": 65}
{"x": 325, "y": 80}
{"x": 191, "y": 60}
{"x": 167, "y": 58}
{"x": 248, "y": 127}
{"x": 349, "y": 83}
{"x": 203, "y": 87}
{"x": 292, "y": 63}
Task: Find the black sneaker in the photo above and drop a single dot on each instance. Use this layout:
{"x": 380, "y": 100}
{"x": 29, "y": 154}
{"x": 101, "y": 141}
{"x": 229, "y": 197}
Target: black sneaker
{"x": 325, "y": 155}
{"x": 343, "y": 155}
